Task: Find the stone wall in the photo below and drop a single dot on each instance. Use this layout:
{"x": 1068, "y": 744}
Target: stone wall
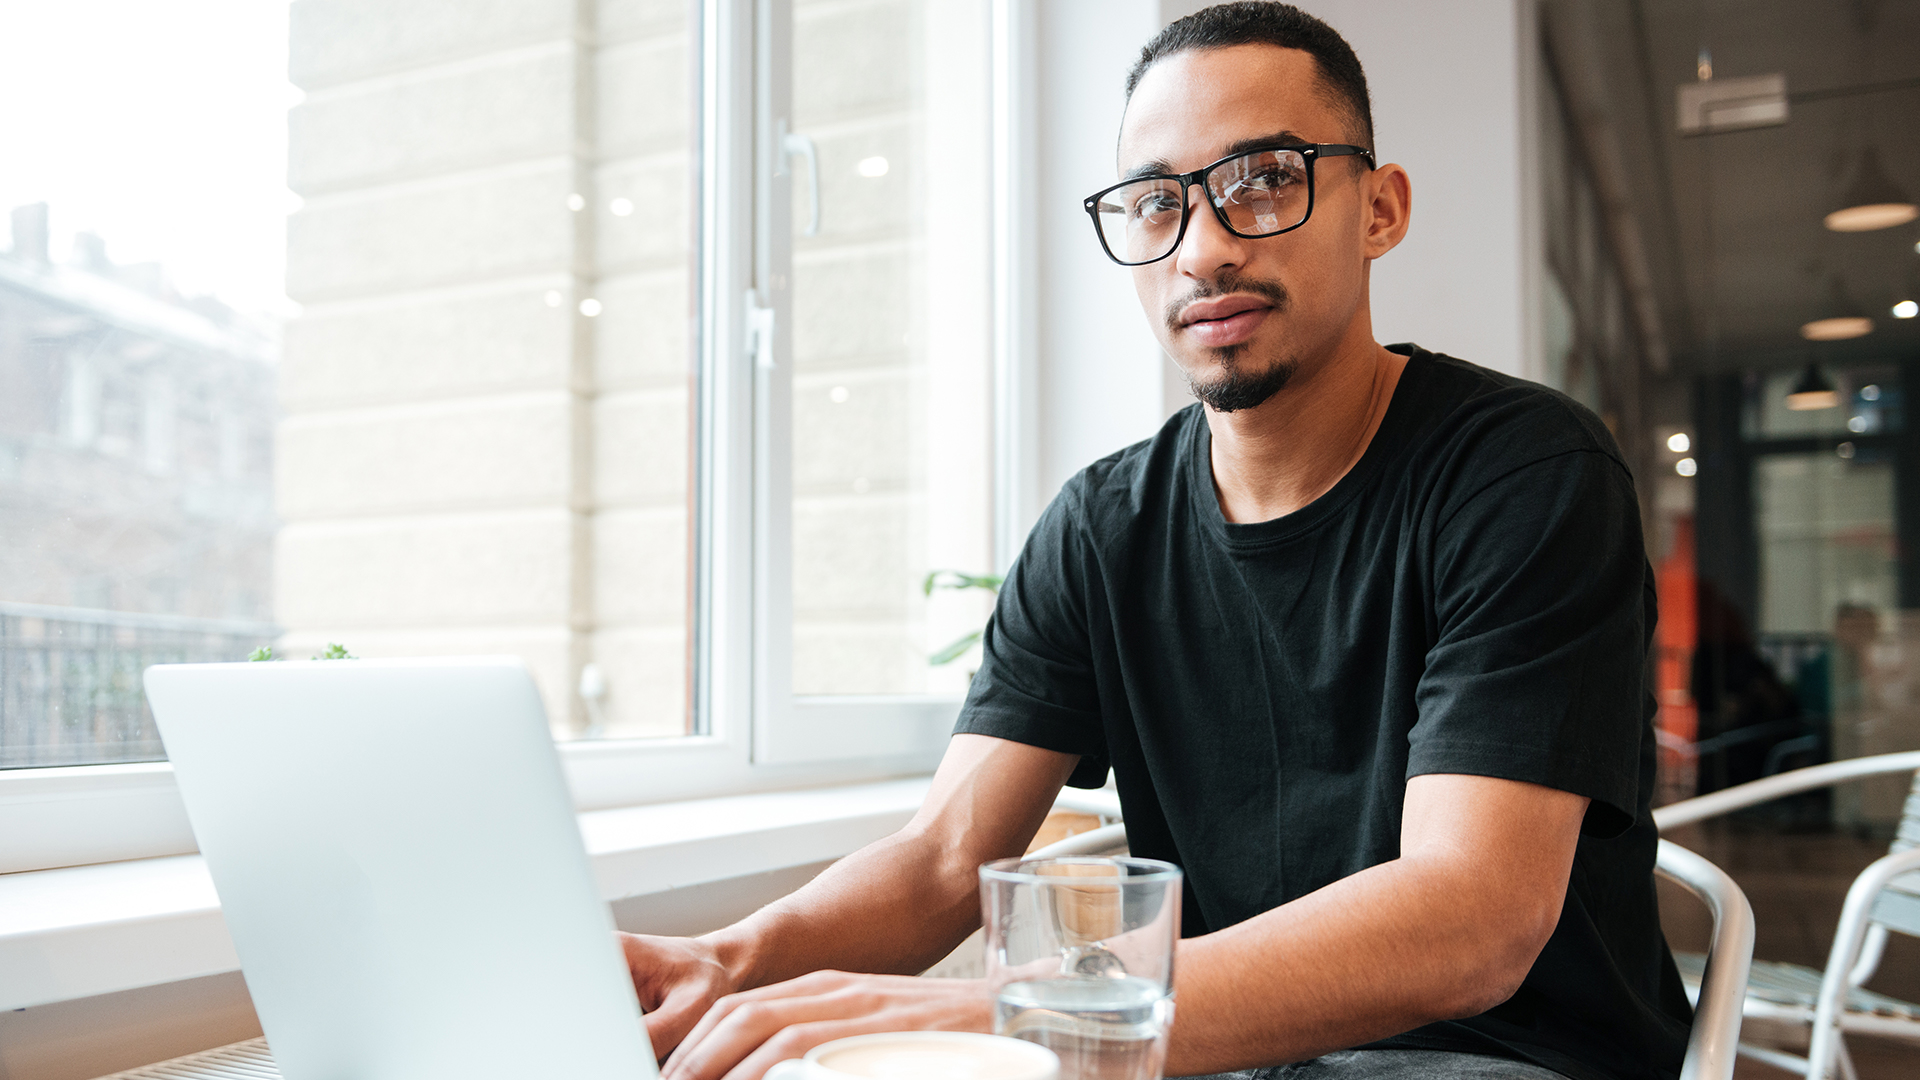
{"x": 486, "y": 397}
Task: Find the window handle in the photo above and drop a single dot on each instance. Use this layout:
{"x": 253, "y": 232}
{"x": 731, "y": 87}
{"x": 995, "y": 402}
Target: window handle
{"x": 794, "y": 144}
{"x": 759, "y": 331}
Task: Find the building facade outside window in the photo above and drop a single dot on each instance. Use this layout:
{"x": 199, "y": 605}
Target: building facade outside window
{"x": 511, "y": 400}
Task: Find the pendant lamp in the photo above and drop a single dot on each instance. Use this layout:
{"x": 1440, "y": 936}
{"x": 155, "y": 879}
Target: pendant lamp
{"x": 1813, "y": 391}
{"x": 1872, "y": 201}
{"x": 1839, "y": 318}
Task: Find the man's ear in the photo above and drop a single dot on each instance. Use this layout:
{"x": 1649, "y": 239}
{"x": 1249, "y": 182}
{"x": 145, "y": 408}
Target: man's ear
{"x": 1387, "y": 194}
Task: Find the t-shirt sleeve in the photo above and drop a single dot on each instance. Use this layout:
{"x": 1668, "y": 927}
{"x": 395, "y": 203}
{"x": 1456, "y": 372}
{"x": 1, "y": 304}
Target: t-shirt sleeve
{"x": 1036, "y": 682}
{"x": 1537, "y": 668}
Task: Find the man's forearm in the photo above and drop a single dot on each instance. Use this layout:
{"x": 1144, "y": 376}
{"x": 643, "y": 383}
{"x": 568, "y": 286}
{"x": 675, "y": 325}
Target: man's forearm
{"x": 899, "y": 905}
{"x": 1447, "y": 930}
{"x": 1384, "y": 951}
{"x": 850, "y": 917}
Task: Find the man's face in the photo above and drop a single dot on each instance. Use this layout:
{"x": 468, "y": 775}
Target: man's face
{"x": 1242, "y": 316}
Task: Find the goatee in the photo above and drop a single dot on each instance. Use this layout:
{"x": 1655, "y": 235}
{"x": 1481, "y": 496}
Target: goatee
{"x": 1237, "y": 388}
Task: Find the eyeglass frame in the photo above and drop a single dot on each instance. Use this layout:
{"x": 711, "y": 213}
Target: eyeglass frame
{"x": 1312, "y": 152}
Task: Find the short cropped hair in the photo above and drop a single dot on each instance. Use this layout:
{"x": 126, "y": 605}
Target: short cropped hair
{"x": 1266, "y": 22}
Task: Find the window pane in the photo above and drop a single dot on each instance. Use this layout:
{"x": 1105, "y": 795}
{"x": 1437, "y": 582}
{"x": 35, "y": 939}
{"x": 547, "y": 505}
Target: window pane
{"x": 396, "y": 356}
{"x": 891, "y": 340}
{"x": 488, "y": 386}
{"x": 140, "y": 314}
{"x": 1826, "y": 528}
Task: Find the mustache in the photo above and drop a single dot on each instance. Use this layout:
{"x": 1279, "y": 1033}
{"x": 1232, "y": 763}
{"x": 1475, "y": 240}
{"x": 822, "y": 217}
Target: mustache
{"x": 1226, "y": 283}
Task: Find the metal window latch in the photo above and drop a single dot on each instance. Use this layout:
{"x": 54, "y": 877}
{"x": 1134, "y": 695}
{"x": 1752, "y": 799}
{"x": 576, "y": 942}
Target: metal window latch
{"x": 759, "y": 331}
{"x": 793, "y": 145}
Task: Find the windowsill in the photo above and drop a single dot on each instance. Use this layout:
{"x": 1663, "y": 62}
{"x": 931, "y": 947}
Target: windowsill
{"x": 85, "y": 930}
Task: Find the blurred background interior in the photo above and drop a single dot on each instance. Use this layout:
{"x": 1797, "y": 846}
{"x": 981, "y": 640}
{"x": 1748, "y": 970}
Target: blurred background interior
{"x": 342, "y": 322}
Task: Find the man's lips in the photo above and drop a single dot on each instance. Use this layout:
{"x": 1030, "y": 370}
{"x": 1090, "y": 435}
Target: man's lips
{"x": 1228, "y": 320}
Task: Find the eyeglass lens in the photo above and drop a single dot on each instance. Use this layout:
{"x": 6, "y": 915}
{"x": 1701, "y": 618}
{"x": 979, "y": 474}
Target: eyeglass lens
{"x": 1261, "y": 193}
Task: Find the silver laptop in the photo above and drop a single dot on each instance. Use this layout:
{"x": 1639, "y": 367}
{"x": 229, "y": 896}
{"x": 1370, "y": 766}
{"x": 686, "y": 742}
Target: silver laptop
{"x": 400, "y": 867}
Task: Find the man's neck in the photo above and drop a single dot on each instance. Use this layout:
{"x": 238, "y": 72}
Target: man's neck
{"x": 1272, "y": 460}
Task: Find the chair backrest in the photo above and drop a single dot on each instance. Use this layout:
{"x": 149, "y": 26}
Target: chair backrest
{"x": 1714, "y": 1042}
{"x": 1898, "y": 908}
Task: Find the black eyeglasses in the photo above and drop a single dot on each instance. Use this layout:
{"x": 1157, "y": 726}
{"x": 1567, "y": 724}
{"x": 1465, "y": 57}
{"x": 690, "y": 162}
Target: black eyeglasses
{"x": 1255, "y": 193}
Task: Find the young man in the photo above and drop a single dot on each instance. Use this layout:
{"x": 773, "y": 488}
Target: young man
{"x": 1361, "y": 637}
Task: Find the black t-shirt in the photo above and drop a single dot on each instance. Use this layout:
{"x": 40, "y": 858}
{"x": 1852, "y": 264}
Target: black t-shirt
{"x": 1472, "y": 597}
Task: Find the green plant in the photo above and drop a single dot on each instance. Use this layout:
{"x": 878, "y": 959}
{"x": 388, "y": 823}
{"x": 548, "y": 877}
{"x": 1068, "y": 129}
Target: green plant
{"x": 955, "y": 579}
{"x": 333, "y": 651}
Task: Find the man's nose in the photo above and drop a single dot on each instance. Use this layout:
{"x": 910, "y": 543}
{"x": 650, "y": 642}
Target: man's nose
{"x": 1208, "y": 247}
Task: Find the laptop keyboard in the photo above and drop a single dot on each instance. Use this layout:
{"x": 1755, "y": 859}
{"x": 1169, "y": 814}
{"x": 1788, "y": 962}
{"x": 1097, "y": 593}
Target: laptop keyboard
{"x": 248, "y": 1060}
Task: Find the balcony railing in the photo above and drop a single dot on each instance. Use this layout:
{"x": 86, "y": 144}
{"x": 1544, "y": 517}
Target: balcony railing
{"x": 70, "y": 679}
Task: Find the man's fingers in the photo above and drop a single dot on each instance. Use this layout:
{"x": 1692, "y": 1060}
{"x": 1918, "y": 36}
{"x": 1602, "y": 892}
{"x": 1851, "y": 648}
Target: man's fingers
{"x": 738, "y": 1025}
{"x": 675, "y": 980}
{"x": 806, "y": 986}
{"x": 744, "y": 1034}
{"x": 668, "y": 1025}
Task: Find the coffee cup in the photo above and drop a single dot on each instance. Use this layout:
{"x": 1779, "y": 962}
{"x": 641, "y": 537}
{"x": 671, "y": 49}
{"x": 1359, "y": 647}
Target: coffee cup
{"x": 922, "y": 1055}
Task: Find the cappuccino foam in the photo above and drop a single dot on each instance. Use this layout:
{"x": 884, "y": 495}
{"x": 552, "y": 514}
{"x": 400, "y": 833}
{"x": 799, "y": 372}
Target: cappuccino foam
{"x": 935, "y": 1059}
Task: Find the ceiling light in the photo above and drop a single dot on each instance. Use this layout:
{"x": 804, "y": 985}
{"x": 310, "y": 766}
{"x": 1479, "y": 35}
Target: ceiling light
{"x": 1679, "y": 443}
{"x": 1872, "y": 200}
{"x": 1906, "y": 297}
{"x": 1813, "y": 391}
{"x": 1838, "y": 328}
{"x": 1686, "y": 466}
{"x": 1839, "y": 318}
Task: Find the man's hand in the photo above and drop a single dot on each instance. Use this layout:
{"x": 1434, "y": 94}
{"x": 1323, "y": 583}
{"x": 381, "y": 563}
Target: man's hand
{"x": 744, "y": 1034}
{"x": 677, "y": 980}
{"x": 988, "y": 797}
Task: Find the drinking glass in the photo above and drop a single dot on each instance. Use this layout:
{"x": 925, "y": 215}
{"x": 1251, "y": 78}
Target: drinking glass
{"x": 1080, "y": 959}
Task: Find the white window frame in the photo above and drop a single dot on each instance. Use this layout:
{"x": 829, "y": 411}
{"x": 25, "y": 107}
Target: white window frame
{"x": 758, "y": 736}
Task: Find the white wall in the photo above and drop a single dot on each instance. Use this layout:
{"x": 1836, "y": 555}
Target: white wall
{"x": 1448, "y": 104}
{"x": 1100, "y": 367}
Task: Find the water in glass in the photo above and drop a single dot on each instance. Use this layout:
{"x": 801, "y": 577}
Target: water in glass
{"x": 1102, "y": 1027}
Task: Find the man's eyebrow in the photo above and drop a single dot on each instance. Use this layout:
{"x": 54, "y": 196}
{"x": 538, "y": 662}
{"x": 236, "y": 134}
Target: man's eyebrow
{"x": 1158, "y": 167}
{"x": 1155, "y": 167}
{"x": 1262, "y": 142}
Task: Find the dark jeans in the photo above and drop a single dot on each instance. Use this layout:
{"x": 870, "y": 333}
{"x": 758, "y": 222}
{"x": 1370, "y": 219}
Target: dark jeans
{"x": 1396, "y": 1065}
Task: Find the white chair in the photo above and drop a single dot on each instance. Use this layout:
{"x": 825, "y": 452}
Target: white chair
{"x": 1884, "y": 898}
{"x": 1714, "y": 1042}
{"x": 1712, "y": 1045}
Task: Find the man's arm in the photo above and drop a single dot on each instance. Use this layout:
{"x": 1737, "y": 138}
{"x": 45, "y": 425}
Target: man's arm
{"x": 897, "y": 905}
{"x": 1448, "y": 929}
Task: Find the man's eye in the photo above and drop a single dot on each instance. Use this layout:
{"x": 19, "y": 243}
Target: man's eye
{"x": 1155, "y": 205}
{"x": 1271, "y": 179}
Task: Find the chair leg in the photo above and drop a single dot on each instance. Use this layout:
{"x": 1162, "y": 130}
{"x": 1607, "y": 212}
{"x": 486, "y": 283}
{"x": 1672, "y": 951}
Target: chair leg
{"x": 1825, "y": 1048}
{"x": 1871, "y": 950}
{"x": 1844, "y": 1059}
